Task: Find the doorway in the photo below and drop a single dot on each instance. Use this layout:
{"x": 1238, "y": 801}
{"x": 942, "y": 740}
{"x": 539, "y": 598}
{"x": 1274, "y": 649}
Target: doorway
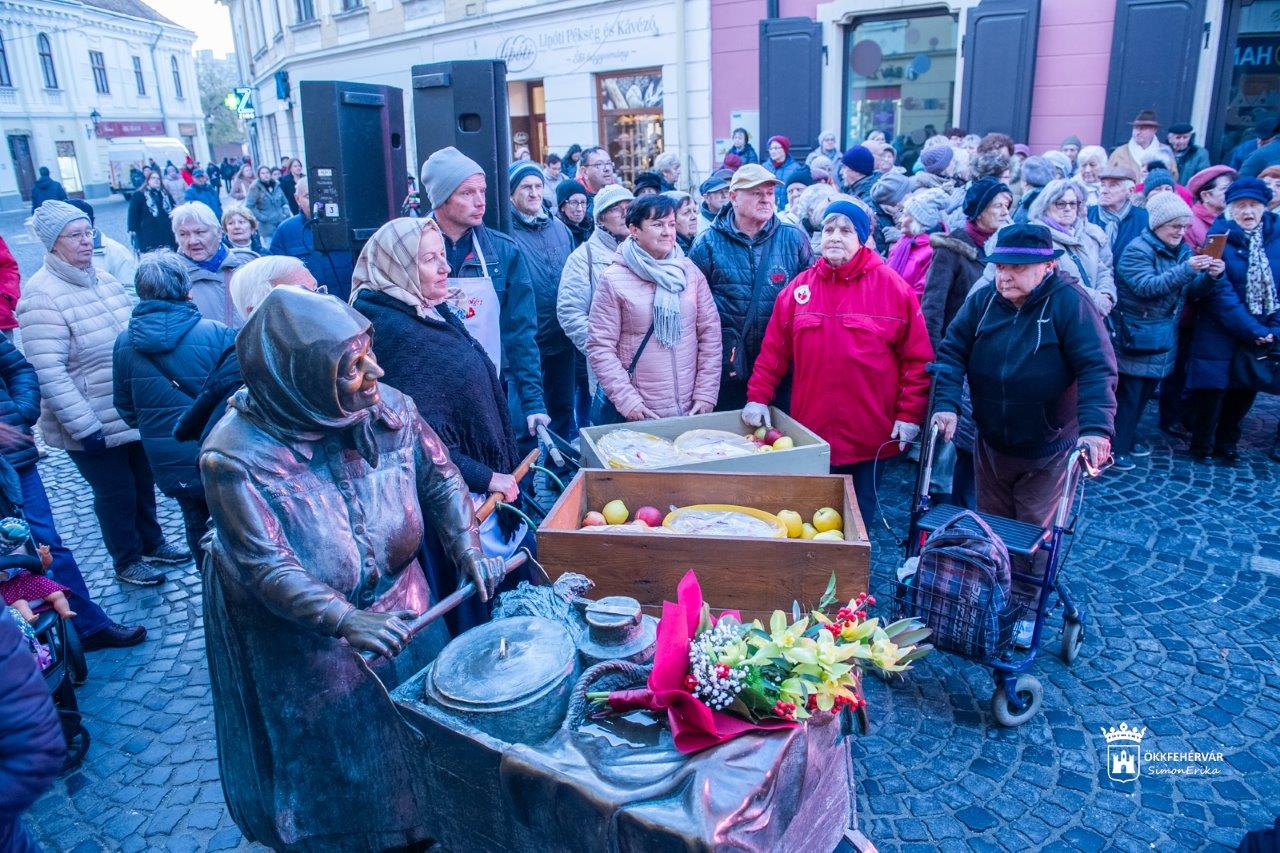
{"x": 1247, "y": 86}
{"x": 23, "y": 169}
{"x": 69, "y": 168}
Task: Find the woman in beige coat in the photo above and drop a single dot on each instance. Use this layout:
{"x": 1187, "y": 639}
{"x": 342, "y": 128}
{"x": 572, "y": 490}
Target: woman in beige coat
{"x": 654, "y": 332}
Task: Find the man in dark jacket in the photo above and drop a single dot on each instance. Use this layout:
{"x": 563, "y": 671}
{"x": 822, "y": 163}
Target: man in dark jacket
{"x": 159, "y": 364}
{"x": 546, "y": 244}
{"x": 19, "y": 409}
{"x": 203, "y": 191}
{"x": 295, "y": 238}
{"x": 748, "y": 256}
{"x": 858, "y": 173}
{"x": 1115, "y": 212}
{"x": 46, "y": 188}
{"x": 31, "y": 745}
{"x": 489, "y": 282}
{"x": 1042, "y": 375}
{"x": 1190, "y": 157}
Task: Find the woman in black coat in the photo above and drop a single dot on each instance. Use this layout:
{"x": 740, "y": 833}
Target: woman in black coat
{"x": 148, "y": 219}
{"x": 400, "y": 284}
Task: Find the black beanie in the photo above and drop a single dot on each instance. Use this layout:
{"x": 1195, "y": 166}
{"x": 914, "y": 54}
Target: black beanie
{"x": 568, "y": 188}
{"x": 980, "y": 194}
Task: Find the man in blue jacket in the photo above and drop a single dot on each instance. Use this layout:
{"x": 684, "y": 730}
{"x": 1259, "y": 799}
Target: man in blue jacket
{"x": 489, "y": 283}
{"x": 203, "y": 191}
{"x": 1115, "y": 212}
{"x": 293, "y": 237}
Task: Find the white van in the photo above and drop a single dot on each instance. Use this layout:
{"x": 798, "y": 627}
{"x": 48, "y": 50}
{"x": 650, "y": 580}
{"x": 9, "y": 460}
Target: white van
{"x": 126, "y": 152}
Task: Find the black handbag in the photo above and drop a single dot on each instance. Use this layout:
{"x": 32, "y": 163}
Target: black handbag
{"x": 603, "y": 412}
{"x": 1141, "y": 336}
{"x": 1256, "y": 368}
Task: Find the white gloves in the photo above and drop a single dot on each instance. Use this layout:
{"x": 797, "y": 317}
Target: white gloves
{"x": 756, "y": 415}
{"x": 905, "y": 433}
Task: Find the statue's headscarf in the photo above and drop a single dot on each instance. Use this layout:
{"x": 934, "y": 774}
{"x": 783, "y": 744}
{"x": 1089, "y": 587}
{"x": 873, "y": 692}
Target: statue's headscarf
{"x": 289, "y": 352}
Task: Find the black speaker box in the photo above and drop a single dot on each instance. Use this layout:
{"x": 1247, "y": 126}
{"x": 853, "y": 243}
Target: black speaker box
{"x": 464, "y": 104}
{"x": 355, "y": 156}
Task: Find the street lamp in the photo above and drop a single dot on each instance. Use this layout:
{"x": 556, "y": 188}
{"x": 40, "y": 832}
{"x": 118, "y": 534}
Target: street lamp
{"x": 96, "y": 118}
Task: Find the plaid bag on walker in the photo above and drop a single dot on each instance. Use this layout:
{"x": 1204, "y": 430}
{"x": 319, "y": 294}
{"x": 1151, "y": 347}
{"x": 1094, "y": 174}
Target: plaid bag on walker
{"x": 963, "y": 587}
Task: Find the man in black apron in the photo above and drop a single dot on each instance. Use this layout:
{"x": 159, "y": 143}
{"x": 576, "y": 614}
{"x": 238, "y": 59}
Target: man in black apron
{"x": 489, "y": 284}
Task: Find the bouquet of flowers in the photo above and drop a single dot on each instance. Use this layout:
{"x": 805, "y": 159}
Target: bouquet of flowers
{"x": 717, "y": 680}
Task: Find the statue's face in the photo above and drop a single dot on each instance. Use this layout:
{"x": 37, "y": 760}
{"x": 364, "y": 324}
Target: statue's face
{"x": 358, "y": 375}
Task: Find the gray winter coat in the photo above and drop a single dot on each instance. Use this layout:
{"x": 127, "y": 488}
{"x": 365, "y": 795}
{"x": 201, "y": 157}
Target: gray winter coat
{"x": 209, "y": 290}
{"x": 70, "y": 319}
{"x": 578, "y": 286}
{"x": 268, "y": 205}
{"x": 1087, "y": 254}
{"x": 1152, "y": 280}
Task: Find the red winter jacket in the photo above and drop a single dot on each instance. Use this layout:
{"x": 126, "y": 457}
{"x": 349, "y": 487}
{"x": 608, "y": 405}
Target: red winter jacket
{"x": 9, "y": 289}
{"x": 856, "y": 342}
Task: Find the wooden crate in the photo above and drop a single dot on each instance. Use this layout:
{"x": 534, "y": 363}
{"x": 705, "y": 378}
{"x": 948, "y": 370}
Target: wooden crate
{"x": 755, "y": 576}
{"x": 811, "y": 455}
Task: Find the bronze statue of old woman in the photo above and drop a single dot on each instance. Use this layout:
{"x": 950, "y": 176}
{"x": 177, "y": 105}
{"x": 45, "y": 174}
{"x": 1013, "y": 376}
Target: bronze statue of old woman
{"x": 319, "y": 481}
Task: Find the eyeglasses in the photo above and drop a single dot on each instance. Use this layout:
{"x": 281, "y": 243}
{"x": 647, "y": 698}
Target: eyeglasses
{"x": 76, "y": 236}
{"x": 601, "y": 164}
{"x": 572, "y": 203}
{"x": 1062, "y": 204}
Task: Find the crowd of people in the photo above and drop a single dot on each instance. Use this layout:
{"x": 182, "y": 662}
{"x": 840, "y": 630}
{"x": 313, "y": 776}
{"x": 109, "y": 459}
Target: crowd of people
{"x": 1055, "y": 295}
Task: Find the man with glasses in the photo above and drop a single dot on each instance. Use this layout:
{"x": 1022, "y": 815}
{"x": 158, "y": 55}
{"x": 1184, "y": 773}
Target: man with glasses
{"x": 70, "y": 315}
{"x": 489, "y": 283}
{"x": 596, "y": 174}
{"x": 332, "y": 269}
{"x": 748, "y": 256}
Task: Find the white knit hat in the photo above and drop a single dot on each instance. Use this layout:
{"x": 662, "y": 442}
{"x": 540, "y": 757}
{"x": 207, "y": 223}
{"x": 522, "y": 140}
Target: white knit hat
{"x": 608, "y": 196}
{"x": 51, "y": 218}
{"x": 1165, "y": 207}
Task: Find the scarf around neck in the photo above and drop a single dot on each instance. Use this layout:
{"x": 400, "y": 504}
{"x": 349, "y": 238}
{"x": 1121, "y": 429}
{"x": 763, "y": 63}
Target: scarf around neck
{"x": 74, "y": 275}
{"x": 1259, "y": 283}
{"x": 214, "y": 262}
{"x": 388, "y": 264}
{"x": 1111, "y": 221}
{"x": 669, "y": 277}
{"x": 157, "y": 200}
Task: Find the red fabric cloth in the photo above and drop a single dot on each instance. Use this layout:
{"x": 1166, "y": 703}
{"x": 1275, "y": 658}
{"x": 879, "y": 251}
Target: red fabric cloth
{"x": 1201, "y": 218}
{"x": 28, "y": 587}
{"x": 857, "y": 347}
{"x": 694, "y": 726}
{"x": 979, "y": 236}
{"x": 910, "y": 258}
{"x": 10, "y": 281}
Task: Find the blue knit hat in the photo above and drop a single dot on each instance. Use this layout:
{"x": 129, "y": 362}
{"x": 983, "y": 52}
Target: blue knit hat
{"x": 856, "y": 215}
{"x": 522, "y": 169}
{"x": 1242, "y": 188}
{"x": 860, "y": 159}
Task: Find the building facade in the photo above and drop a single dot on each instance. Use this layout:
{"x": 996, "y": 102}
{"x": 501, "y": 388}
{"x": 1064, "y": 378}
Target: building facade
{"x": 1038, "y": 69}
{"x": 75, "y": 74}
{"x": 633, "y": 75}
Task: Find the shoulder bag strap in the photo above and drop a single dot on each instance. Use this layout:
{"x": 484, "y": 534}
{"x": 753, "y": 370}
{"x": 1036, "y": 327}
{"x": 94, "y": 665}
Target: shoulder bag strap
{"x": 636, "y": 358}
{"x": 173, "y": 380}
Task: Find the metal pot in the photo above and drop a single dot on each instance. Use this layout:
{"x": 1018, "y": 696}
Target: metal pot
{"x": 510, "y": 678}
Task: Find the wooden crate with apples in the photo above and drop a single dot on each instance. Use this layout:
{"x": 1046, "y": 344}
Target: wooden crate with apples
{"x": 753, "y": 575}
{"x": 809, "y": 455}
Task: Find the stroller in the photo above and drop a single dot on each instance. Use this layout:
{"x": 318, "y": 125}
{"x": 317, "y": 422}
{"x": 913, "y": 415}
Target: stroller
{"x": 1018, "y": 694}
{"x": 66, "y": 668}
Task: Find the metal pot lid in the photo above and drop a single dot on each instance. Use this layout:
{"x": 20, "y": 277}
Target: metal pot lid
{"x": 502, "y": 662}
{"x": 616, "y": 628}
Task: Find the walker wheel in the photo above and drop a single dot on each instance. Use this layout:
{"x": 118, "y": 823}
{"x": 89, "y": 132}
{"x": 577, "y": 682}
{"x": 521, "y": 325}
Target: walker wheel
{"x": 1072, "y": 640}
{"x": 1029, "y": 691}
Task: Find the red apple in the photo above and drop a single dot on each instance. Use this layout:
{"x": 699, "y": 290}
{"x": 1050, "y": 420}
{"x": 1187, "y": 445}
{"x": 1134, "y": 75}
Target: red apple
{"x": 650, "y": 515}
{"x": 772, "y": 435}
{"x": 593, "y": 519}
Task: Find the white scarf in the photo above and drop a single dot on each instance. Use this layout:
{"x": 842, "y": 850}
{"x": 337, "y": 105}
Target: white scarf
{"x": 1141, "y": 155}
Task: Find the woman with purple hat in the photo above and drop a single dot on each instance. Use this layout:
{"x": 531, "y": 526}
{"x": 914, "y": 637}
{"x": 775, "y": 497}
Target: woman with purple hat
{"x": 1233, "y": 345}
{"x": 1042, "y": 375}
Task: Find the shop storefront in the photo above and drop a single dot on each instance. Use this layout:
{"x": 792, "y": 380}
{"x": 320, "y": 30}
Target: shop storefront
{"x": 1248, "y": 85}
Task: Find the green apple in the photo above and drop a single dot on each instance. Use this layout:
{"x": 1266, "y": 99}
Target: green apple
{"x": 823, "y": 520}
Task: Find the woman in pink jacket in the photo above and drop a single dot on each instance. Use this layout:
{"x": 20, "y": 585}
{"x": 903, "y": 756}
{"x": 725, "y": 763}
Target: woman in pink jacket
{"x": 654, "y": 332}
{"x": 923, "y": 212}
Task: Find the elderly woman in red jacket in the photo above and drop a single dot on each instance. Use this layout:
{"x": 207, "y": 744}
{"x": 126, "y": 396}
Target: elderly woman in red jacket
{"x": 850, "y": 331}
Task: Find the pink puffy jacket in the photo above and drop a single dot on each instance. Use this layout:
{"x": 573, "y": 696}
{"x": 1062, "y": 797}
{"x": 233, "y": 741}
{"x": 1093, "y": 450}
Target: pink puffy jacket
{"x": 910, "y": 258}
{"x": 621, "y": 314}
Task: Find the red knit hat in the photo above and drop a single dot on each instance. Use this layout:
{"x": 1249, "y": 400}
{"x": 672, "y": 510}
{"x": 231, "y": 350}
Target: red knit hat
{"x": 781, "y": 140}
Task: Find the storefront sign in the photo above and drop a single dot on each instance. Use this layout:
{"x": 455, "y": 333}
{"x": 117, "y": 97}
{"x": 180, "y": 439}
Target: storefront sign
{"x": 113, "y": 129}
{"x": 602, "y": 43}
{"x": 186, "y": 129}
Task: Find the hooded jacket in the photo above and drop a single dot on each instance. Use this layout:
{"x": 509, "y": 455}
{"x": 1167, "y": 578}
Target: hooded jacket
{"x": 45, "y": 189}
{"x": 166, "y": 342}
{"x": 70, "y": 320}
{"x": 19, "y": 404}
{"x": 32, "y": 747}
{"x": 856, "y": 346}
{"x": 1040, "y": 375}
{"x": 10, "y": 287}
{"x": 666, "y": 381}
{"x": 546, "y": 245}
{"x": 1223, "y": 321}
{"x": 746, "y": 274}
{"x": 953, "y": 271}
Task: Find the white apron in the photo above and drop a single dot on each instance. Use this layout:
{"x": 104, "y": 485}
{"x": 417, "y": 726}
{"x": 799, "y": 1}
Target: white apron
{"x": 477, "y": 299}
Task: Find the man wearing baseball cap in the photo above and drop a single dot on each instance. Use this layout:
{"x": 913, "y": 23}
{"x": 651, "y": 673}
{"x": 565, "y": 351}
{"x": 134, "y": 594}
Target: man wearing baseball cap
{"x": 715, "y": 195}
{"x": 1268, "y": 151}
{"x": 1034, "y": 403}
{"x": 748, "y": 255}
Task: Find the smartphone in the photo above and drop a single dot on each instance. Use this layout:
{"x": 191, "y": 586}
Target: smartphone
{"x": 1213, "y": 246}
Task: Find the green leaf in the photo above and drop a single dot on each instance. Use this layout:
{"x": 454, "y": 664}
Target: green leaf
{"x": 915, "y": 654}
{"x": 829, "y": 595}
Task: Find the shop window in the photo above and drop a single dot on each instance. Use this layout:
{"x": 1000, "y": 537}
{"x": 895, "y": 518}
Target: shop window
{"x": 1253, "y": 61}
{"x": 900, "y": 77}
{"x": 630, "y": 106}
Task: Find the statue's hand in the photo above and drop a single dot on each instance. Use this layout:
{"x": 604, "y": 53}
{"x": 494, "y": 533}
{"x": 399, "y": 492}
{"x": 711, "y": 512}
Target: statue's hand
{"x": 383, "y": 634}
{"x": 486, "y": 573}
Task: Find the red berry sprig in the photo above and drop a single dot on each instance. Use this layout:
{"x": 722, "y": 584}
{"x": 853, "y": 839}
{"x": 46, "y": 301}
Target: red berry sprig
{"x": 785, "y": 710}
{"x": 690, "y": 683}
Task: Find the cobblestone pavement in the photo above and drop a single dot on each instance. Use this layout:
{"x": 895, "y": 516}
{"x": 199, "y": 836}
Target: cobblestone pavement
{"x": 1177, "y": 567}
